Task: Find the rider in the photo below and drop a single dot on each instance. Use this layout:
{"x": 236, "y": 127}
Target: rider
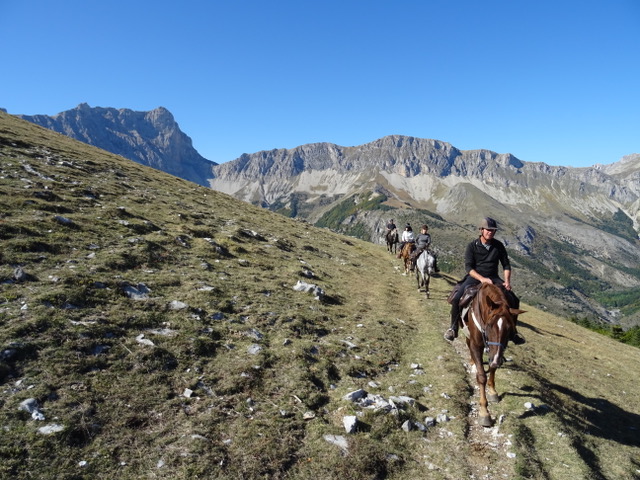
{"x": 423, "y": 242}
{"x": 481, "y": 260}
{"x": 391, "y": 226}
{"x": 407, "y": 236}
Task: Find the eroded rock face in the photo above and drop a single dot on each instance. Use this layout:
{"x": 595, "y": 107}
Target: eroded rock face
{"x": 151, "y": 138}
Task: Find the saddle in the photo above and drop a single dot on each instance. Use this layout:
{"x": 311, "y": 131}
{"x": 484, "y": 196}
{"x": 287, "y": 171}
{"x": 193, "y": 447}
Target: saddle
{"x": 467, "y": 295}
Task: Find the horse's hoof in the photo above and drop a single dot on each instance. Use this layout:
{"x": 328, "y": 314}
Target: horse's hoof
{"x": 493, "y": 398}
{"x": 485, "y": 421}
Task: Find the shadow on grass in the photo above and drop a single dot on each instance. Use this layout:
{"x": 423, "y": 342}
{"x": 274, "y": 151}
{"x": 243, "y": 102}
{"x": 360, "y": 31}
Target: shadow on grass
{"x": 586, "y": 416}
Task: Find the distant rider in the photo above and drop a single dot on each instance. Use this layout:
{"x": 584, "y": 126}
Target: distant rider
{"x": 407, "y": 237}
{"x": 391, "y": 226}
{"x": 423, "y": 242}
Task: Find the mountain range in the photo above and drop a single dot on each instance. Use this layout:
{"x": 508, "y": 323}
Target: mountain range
{"x": 572, "y": 232}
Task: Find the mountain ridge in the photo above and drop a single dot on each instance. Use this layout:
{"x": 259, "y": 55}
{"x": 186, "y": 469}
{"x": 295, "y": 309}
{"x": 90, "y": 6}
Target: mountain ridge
{"x": 152, "y": 138}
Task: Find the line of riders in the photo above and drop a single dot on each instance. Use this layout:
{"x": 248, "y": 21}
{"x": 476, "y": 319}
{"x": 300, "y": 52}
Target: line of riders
{"x": 481, "y": 261}
{"x": 417, "y": 244}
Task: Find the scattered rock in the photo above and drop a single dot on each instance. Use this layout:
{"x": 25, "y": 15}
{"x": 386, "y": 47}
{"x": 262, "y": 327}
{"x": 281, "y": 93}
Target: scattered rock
{"x": 31, "y": 406}
{"x": 144, "y": 341}
{"x": 177, "y": 305}
{"x": 420, "y": 426}
{"x": 140, "y": 292}
{"x": 442, "y": 418}
{"x": 63, "y": 220}
{"x": 19, "y": 275}
{"x": 254, "y": 349}
{"x": 355, "y": 395}
{"x": 309, "y": 288}
{"x": 338, "y": 440}
{"x": 254, "y": 333}
{"x": 407, "y": 426}
{"x": 50, "y": 429}
{"x": 402, "y": 400}
{"x": 350, "y": 423}
{"x": 165, "y": 332}
{"x": 349, "y": 344}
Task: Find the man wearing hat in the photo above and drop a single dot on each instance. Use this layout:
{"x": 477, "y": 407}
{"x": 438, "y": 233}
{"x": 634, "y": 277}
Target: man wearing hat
{"x": 481, "y": 260}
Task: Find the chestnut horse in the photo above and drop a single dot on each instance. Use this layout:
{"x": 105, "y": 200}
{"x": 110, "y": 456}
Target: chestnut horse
{"x": 392, "y": 240}
{"x": 490, "y": 323}
{"x": 405, "y": 255}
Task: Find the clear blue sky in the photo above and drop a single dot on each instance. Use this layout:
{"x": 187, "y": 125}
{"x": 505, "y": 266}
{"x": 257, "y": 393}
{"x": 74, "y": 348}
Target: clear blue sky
{"x": 555, "y": 81}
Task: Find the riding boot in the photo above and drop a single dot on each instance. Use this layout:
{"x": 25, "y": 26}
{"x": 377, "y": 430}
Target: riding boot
{"x": 514, "y": 302}
{"x": 452, "y": 332}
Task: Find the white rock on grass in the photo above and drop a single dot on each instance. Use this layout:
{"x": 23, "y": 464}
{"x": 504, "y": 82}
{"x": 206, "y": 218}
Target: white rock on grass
{"x": 355, "y": 395}
{"x": 338, "y": 440}
{"x": 402, "y": 400}
{"x": 144, "y": 341}
{"x": 139, "y": 292}
{"x": 309, "y": 288}
{"x": 429, "y": 422}
{"x": 31, "y": 406}
{"x": 177, "y": 305}
{"x": 50, "y": 429}
{"x": 350, "y": 423}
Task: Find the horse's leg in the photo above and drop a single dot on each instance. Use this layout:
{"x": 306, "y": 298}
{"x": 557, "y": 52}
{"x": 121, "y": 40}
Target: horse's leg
{"x": 484, "y": 418}
{"x": 427, "y": 280}
{"x": 492, "y": 394}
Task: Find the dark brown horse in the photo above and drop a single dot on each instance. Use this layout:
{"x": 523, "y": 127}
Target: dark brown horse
{"x": 490, "y": 323}
{"x": 392, "y": 240}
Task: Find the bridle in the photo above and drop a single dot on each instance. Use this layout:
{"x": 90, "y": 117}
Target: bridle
{"x": 483, "y": 331}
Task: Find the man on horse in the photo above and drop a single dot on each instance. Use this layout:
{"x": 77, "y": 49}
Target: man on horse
{"x": 481, "y": 260}
{"x": 391, "y": 226}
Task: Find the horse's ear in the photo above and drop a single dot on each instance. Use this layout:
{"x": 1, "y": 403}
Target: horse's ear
{"x": 516, "y": 311}
{"x": 490, "y": 303}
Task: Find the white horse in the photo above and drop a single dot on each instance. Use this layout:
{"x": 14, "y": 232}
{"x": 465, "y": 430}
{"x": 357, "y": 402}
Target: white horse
{"x": 425, "y": 267}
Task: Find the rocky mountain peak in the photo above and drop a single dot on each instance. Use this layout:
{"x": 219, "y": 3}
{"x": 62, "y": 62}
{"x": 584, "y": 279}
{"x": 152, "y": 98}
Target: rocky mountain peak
{"x": 151, "y": 138}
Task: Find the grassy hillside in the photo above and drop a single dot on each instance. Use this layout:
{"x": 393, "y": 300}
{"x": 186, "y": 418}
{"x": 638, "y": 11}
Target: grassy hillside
{"x": 219, "y": 368}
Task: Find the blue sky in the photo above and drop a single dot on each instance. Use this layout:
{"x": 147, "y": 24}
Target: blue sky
{"x": 548, "y": 81}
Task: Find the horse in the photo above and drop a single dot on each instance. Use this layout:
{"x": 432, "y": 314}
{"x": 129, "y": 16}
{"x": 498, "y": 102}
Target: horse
{"x": 392, "y": 240}
{"x": 405, "y": 255}
{"x": 425, "y": 267}
{"x": 490, "y": 323}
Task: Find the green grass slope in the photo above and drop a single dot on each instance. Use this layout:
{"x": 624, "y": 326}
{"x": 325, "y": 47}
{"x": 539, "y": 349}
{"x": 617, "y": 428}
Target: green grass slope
{"x": 221, "y": 369}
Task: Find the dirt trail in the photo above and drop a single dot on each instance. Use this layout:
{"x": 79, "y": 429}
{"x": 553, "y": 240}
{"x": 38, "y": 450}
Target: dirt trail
{"x": 489, "y": 451}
